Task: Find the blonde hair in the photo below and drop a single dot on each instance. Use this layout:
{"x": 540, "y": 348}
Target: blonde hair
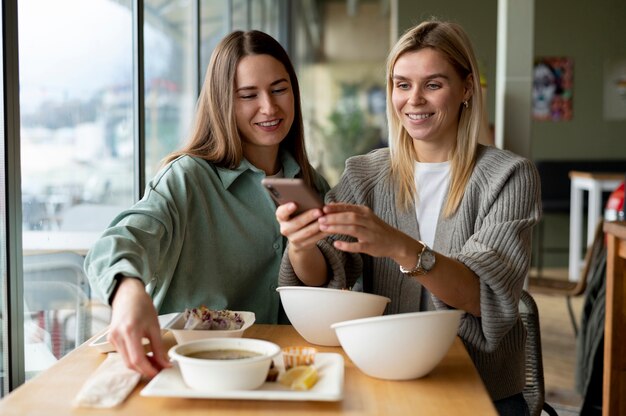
{"x": 215, "y": 136}
{"x": 450, "y": 40}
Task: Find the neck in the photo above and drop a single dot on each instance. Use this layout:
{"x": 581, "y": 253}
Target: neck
{"x": 264, "y": 158}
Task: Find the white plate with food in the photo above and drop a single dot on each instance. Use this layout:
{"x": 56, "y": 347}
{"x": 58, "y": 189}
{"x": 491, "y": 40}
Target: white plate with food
{"x": 224, "y": 324}
{"x": 329, "y": 386}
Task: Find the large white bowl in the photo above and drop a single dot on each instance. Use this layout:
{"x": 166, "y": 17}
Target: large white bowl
{"x": 221, "y": 375}
{"x": 312, "y": 310}
{"x": 182, "y": 335}
{"x": 399, "y": 347}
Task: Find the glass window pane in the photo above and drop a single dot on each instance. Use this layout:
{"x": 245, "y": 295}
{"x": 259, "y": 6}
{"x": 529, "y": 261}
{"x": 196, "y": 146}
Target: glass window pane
{"x": 214, "y": 24}
{"x": 76, "y": 156}
{"x": 264, "y": 15}
{"x": 240, "y": 15}
{"x": 347, "y": 116}
{"x": 170, "y": 80}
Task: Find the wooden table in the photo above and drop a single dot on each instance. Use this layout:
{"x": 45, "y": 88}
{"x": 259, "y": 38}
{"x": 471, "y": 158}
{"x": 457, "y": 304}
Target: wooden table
{"x": 614, "y": 384}
{"x": 453, "y": 388}
{"x": 595, "y": 184}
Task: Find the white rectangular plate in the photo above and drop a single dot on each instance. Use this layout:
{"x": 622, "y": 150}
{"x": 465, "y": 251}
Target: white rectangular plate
{"x": 104, "y": 346}
{"x": 329, "y": 387}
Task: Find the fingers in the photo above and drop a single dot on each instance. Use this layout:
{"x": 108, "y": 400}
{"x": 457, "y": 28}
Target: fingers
{"x": 291, "y": 225}
{"x": 159, "y": 357}
{"x": 134, "y": 318}
{"x": 130, "y": 346}
{"x": 347, "y": 219}
{"x": 138, "y": 360}
{"x": 284, "y": 214}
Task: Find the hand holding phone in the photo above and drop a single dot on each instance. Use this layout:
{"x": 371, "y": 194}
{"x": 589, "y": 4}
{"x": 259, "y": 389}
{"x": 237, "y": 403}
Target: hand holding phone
{"x": 283, "y": 190}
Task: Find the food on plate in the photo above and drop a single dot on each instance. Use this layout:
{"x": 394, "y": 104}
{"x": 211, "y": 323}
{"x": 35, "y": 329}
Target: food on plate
{"x": 225, "y": 354}
{"x": 272, "y": 373}
{"x": 205, "y": 318}
{"x": 295, "y": 356}
{"x": 302, "y": 377}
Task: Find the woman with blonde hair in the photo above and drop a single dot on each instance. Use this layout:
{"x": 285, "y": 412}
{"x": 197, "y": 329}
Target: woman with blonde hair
{"x": 204, "y": 233}
{"x": 436, "y": 220}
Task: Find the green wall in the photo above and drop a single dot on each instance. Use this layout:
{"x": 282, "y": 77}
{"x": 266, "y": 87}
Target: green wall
{"x": 590, "y": 32}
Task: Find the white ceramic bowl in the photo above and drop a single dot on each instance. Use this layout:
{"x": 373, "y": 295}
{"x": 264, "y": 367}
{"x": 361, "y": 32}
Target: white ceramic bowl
{"x": 221, "y": 375}
{"x": 312, "y": 310}
{"x": 187, "y": 335}
{"x": 399, "y": 347}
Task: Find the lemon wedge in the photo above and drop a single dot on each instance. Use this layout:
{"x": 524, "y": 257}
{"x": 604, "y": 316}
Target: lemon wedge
{"x": 301, "y": 377}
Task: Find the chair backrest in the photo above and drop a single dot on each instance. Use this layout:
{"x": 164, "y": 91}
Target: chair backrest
{"x": 57, "y": 281}
{"x": 56, "y": 267}
{"x": 593, "y": 258}
{"x": 534, "y": 392}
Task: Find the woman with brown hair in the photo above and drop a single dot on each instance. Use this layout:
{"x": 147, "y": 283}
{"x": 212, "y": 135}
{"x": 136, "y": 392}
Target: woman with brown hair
{"x": 204, "y": 233}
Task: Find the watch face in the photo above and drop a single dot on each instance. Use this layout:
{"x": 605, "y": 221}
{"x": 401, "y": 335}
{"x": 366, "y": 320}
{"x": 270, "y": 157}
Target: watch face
{"x": 428, "y": 259}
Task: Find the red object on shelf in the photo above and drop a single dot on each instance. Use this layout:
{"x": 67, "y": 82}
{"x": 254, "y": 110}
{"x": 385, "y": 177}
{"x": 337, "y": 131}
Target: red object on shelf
{"x": 615, "y": 205}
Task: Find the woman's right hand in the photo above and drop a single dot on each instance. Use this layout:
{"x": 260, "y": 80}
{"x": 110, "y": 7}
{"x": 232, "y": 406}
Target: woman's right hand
{"x": 303, "y": 230}
{"x": 134, "y": 318}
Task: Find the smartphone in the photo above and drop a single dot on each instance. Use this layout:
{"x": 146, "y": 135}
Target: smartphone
{"x": 283, "y": 190}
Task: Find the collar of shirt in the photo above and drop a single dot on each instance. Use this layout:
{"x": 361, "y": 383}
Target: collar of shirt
{"x": 228, "y": 176}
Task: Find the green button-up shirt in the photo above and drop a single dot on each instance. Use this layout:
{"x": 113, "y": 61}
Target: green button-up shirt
{"x": 201, "y": 235}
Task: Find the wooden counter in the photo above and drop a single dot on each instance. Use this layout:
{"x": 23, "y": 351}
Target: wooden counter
{"x": 453, "y": 388}
{"x": 614, "y": 385}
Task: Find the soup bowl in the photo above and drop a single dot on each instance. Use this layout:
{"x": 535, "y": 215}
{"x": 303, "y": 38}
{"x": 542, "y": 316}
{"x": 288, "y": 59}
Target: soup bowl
{"x": 312, "y": 310}
{"x": 204, "y": 366}
{"x": 399, "y": 347}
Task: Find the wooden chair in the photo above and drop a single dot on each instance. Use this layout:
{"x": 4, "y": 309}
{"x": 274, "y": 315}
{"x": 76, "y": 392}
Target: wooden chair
{"x": 534, "y": 391}
{"x": 569, "y": 289}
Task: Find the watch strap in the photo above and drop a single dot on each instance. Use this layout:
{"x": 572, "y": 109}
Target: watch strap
{"x": 418, "y": 269}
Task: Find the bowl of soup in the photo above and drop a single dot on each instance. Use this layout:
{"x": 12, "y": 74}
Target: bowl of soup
{"x": 221, "y": 364}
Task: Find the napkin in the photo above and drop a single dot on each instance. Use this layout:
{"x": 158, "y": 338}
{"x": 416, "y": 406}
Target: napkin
{"x": 109, "y": 386}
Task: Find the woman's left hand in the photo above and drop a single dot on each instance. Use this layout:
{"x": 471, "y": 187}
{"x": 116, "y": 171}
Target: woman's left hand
{"x": 374, "y": 236}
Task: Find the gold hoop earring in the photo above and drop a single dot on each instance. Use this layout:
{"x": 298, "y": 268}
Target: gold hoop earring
{"x": 465, "y": 103}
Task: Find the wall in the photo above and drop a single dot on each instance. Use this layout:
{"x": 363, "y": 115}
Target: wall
{"x": 479, "y": 22}
{"x": 591, "y": 33}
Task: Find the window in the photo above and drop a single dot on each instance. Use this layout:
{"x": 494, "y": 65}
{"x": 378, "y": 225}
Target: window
{"x": 76, "y": 109}
{"x": 170, "y": 77}
{"x": 78, "y": 145}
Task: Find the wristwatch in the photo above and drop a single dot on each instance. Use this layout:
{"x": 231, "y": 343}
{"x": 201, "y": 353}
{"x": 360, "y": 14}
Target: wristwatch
{"x": 425, "y": 262}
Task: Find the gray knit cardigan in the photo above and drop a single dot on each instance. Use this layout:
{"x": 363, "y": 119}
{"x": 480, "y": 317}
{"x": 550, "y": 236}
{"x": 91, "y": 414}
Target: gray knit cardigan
{"x": 490, "y": 233}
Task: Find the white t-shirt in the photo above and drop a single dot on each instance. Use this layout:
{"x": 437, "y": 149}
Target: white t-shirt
{"x": 431, "y": 182}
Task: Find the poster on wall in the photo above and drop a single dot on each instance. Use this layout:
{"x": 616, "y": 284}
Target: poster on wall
{"x": 615, "y": 89}
{"x": 552, "y": 88}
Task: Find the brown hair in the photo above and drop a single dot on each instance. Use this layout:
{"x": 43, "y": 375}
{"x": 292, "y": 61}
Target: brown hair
{"x": 215, "y": 136}
{"x": 452, "y": 41}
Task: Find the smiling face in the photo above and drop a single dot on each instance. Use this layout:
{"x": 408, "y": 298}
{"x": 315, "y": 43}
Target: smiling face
{"x": 427, "y": 97}
{"x": 264, "y": 103}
